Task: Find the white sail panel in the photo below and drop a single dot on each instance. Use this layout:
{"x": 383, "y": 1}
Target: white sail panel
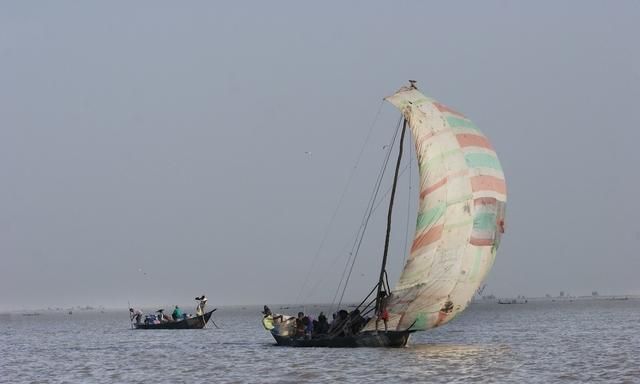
{"x": 460, "y": 214}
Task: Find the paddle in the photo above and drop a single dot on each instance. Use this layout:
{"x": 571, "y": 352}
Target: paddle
{"x": 211, "y": 319}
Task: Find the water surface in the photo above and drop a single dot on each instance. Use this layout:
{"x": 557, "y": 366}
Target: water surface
{"x": 537, "y": 342}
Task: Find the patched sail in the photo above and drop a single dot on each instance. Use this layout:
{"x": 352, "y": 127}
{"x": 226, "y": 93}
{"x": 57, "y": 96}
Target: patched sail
{"x": 460, "y": 214}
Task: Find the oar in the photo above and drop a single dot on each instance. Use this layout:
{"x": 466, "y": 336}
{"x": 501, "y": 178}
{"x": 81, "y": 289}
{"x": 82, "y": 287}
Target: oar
{"x": 211, "y": 320}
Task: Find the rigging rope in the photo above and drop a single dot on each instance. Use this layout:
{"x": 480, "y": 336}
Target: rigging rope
{"x": 386, "y": 193}
{"x": 356, "y": 235}
{"x": 365, "y": 221}
{"x": 344, "y": 191}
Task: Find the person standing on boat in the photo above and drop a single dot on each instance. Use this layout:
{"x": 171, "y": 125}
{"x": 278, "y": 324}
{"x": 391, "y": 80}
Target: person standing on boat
{"x": 383, "y": 314}
{"x": 135, "y": 314}
{"x": 201, "y": 304}
{"x": 269, "y": 319}
{"x": 177, "y": 313}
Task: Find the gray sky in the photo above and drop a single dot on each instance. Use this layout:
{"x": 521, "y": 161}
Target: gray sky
{"x": 154, "y": 151}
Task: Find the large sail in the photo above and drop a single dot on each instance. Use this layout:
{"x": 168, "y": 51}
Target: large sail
{"x": 460, "y": 214}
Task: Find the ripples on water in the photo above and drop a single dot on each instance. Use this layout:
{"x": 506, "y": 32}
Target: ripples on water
{"x": 538, "y": 342}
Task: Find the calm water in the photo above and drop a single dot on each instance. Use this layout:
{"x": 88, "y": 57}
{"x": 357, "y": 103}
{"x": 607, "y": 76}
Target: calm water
{"x": 537, "y": 342}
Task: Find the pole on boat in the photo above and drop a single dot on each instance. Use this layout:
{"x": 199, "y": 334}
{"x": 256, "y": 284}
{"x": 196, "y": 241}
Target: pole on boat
{"x": 213, "y": 322}
{"x": 389, "y": 214}
{"x": 130, "y": 318}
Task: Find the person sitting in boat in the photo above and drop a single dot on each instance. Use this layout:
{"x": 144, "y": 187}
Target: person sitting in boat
{"x": 339, "y": 324}
{"x": 202, "y": 301}
{"x": 300, "y": 326}
{"x": 135, "y": 314}
{"x": 333, "y": 323}
{"x": 322, "y": 326}
{"x": 357, "y": 322}
{"x": 308, "y": 326}
{"x": 163, "y": 317}
{"x": 383, "y": 314}
{"x": 177, "y": 314}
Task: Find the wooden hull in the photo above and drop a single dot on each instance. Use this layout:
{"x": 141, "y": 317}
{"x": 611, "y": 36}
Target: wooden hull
{"x": 390, "y": 339}
{"x": 191, "y": 323}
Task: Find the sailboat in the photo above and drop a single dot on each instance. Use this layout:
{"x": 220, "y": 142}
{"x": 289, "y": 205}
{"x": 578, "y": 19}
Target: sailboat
{"x": 460, "y": 221}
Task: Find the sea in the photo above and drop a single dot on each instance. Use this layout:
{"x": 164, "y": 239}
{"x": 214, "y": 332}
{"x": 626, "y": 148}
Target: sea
{"x": 541, "y": 341}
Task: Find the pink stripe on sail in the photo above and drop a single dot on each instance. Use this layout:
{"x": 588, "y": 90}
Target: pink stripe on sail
{"x": 433, "y": 187}
{"x": 481, "y": 242}
{"x": 433, "y": 234}
{"x": 484, "y": 201}
{"x": 444, "y": 108}
{"x": 470, "y": 140}
{"x": 441, "y": 182}
{"x": 488, "y": 183}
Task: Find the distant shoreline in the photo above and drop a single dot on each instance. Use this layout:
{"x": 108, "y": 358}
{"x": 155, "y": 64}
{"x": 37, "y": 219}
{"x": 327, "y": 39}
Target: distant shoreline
{"x": 294, "y": 307}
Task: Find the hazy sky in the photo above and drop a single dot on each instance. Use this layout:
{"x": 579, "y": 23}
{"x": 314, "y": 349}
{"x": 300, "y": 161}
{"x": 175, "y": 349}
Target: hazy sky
{"x": 153, "y": 151}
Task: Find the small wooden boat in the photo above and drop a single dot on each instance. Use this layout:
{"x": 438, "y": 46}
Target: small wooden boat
{"x": 197, "y": 322}
{"x": 512, "y": 301}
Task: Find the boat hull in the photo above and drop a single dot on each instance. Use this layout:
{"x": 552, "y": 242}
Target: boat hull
{"x": 191, "y": 323}
{"x": 390, "y": 339}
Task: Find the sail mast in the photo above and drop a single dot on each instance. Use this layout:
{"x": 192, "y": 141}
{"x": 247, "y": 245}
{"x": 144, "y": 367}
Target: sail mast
{"x": 389, "y": 214}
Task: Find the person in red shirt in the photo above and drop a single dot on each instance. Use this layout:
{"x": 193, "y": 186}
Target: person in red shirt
{"x": 383, "y": 314}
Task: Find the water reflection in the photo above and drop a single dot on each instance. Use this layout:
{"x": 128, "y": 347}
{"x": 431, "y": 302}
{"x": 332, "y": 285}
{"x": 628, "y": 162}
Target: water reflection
{"x": 455, "y": 350}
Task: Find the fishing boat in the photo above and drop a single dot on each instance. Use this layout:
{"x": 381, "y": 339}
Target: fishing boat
{"x": 460, "y": 221}
{"x": 512, "y": 301}
{"x": 196, "y": 322}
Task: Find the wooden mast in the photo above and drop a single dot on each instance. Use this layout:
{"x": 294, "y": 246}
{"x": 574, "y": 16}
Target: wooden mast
{"x": 386, "y": 240}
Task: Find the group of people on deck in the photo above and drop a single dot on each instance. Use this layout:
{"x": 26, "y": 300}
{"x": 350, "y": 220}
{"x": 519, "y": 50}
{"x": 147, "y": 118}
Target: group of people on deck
{"x": 161, "y": 317}
{"x": 343, "y": 323}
